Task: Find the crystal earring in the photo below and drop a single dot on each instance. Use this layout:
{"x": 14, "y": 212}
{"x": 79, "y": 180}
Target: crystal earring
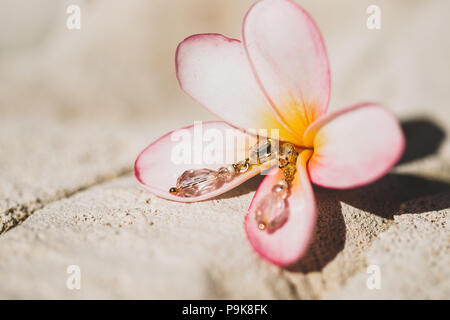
{"x": 273, "y": 211}
{"x": 194, "y": 183}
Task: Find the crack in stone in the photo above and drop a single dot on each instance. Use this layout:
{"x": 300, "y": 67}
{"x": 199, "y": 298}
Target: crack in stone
{"x": 15, "y": 215}
{"x": 292, "y": 287}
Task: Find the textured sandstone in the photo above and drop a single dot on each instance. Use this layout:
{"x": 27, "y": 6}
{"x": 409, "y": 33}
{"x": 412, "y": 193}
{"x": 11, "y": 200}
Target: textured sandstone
{"x": 77, "y": 107}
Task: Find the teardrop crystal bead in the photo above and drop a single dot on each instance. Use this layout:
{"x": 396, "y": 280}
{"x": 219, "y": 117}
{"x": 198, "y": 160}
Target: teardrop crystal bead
{"x": 271, "y": 213}
{"x": 194, "y": 183}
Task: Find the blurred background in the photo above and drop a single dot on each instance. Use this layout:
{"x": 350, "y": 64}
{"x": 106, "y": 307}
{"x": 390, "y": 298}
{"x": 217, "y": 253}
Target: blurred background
{"x": 120, "y": 64}
{"x": 76, "y": 106}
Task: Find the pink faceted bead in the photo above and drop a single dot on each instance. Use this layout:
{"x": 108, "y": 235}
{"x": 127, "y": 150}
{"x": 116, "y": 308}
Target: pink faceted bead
{"x": 271, "y": 213}
{"x": 194, "y": 183}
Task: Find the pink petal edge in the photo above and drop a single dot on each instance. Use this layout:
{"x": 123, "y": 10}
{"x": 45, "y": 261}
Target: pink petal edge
{"x": 354, "y": 146}
{"x": 288, "y": 57}
{"x": 155, "y": 171}
{"x": 286, "y": 245}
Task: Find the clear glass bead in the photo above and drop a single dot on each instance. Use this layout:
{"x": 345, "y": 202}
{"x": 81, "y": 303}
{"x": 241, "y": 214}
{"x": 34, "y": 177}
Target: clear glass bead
{"x": 194, "y": 183}
{"x": 272, "y": 212}
{"x": 261, "y": 153}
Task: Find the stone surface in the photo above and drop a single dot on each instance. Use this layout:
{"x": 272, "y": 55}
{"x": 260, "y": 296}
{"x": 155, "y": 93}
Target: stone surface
{"x": 77, "y": 106}
{"x": 130, "y": 244}
{"x": 46, "y": 161}
{"x": 412, "y": 256}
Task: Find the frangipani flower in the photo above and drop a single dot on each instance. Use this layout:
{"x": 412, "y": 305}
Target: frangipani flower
{"x": 278, "y": 78}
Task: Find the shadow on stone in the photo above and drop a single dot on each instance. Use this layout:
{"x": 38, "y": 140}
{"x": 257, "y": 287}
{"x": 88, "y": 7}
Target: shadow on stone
{"x": 423, "y": 138}
{"x": 388, "y": 195}
{"x": 329, "y": 235}
{"x": 246, "y": 187}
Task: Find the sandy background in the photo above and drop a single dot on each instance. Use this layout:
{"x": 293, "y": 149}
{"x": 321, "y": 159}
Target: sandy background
{"x": 76, "y": 107}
